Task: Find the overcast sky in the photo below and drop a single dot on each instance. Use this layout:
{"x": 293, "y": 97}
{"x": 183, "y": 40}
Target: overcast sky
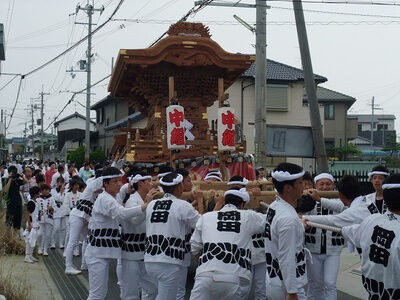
{"x": 356, "y": 46}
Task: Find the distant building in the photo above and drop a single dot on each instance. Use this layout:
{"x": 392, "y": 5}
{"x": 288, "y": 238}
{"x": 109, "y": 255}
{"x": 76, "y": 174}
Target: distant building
{"x": 339, "y": 128}
{"x": 383, "y": 130}
{"x": 112, "y": 114}
{"x": 71, "y": 133}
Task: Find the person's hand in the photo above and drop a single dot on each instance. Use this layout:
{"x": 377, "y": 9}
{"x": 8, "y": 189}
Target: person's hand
{"x": 29, "y": 227}
{"x": 291, "y": 297}
{"x": 313, "y": 193}
{"x": 256, "y": 191}
{"x": 304, "y": 222}
{"x": 50, "y": 209}
{"x": 198, "y": 201}
{"x": 150, "y": 195}
{"x": 219, "y": 202}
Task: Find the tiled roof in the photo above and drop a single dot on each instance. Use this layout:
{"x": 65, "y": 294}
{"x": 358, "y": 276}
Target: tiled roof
{"x": 327, "y": 95}
{"x": 277, "y": 71}
{"x": 136, "y": 116}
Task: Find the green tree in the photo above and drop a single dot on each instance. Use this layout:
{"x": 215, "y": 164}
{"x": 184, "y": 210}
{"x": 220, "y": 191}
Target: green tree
{"x": 77, "y": 156}
{"x": 348, "y": 149}
{"x": 391, "y": 145}
{"x": 97, "y": 156}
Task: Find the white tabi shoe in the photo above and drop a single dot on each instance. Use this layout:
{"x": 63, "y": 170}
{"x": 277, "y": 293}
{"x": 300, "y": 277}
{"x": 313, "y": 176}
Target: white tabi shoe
{"x": 72, "y": 271}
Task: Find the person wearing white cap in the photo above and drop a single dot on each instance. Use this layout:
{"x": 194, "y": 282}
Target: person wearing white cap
{"x": 258, "y": 250}
{"x": 167, "y": 220}
{"x": 104, "y": 237}
{"x": 325, "y": 246}
{"x": 284, "y": 237}
{"x": 213, "y": 176}
{"x": 223, "y": 240}
{"x": 133, "y": 273}
{"x": 375, "y": 200}
{"x": 378, "y": 237}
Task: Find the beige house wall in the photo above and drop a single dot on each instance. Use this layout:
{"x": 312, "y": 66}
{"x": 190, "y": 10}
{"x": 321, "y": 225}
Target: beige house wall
{"x": 296, "y": 115}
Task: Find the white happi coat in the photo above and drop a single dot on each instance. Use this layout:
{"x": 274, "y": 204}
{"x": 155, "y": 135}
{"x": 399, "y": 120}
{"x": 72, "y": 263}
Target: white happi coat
{"x": 167, "y": 220}
{"x": 70, "y": 201}
{"x": 46, "y": 216}
{"x": 84, "y": 206}
{"x": 134, "y": 231}
{"x": 104, "y": 237}
{"x": 223, "y": 238}
{"x": 59, "y": 201}
{"x": 378, "y": 236}
{"x": 322, "y": 241}
{"x": 284, "y": 248}
{"x": 371, "y": 202}
{"x": 355, "y": 214}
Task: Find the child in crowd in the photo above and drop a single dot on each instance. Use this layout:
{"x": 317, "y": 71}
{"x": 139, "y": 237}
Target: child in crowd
{"x": 32, "y": 224}
{"x": 58, "y": 234}
{"x": 47, "y": 206}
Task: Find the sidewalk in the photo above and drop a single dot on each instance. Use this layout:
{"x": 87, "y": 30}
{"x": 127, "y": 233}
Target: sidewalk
{"x": 349, "y": 279}
{"x": 36, "y": 275}
{"x": 42, "y": 286}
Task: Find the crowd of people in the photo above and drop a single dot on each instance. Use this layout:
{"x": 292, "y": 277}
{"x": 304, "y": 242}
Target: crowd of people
{"x": 155, "y": 235}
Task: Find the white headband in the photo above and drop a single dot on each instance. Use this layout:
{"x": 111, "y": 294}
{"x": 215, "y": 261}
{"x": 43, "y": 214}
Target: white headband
{"x": 244, "y": 182}
{"x": 113, "y": 176}
{"x": 286, "y": 176}
{"x": 208, "y": 176}
{"x": 242, "y": 193}
{"x": 176, "y": 181}
{"x": 388, "y": 186}
{"x": 163, "y": 174}
{"x": 370, "y": 174}
{"x": 138, "y": 177}
{"x": 323, "y": 176}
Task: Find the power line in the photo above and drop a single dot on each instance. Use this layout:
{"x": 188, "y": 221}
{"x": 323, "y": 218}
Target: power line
{"x": 16, "y": 101}
{"x": 77, "y": 43}
{"x": 4, "y": 86}
{"x": 342, "y": 2}
{"x": 72, "y": 98}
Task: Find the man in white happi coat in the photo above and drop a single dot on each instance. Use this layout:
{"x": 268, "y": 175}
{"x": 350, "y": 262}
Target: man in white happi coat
{"x": 167, "y": 220}
{"x": 104, "y": 237}
{"x": 133, "y": 273}
{"x": 349, "y": 194}
{"x": 223, "y": 241}
{"x": 284, "y": 237}
{"x": 199, "y": 203}
{"x": 324, "y": 245}
{"x": 378, "y": 237}
{"x": 375, "y": 200}
{"x": 258, "y": 250}
{"x": 79, "y": 218}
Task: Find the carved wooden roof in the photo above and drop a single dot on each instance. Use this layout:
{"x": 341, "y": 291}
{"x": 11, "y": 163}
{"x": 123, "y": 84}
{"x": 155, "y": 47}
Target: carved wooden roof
{"x": 189, "y": 55}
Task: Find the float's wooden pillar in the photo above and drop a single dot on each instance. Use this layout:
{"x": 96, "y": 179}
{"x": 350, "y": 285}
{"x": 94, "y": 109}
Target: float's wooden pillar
{"x": 171, "y": 88}
{"x": 221, "y": 91}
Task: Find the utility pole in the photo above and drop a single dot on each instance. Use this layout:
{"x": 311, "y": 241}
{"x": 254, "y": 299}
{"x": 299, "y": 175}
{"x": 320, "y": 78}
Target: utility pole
{"x": 32, "y": 127}
{"x": 316, "y": 125}
{"x": 41, "y": 123}
{"x": 260, "y": 83}
{"x": 373, "y": 108}
{"x": 260, "y": 137}
{"x": 89, "y": 9}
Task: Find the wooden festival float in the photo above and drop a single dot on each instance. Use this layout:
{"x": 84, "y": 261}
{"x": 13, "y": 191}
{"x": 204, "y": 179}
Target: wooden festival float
{"x": 172, "y": 84}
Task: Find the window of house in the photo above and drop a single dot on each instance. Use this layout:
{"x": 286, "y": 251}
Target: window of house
{"x": 382, "y": 127}
{"x": 359, "y": 127}
{"x": 329, "y": 112}
{"x": 100, "y": 115}
{"x": 277, "y": 97}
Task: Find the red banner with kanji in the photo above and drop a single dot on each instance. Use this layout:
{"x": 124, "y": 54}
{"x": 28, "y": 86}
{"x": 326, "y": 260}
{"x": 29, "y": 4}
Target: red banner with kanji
{"x": 226, "y": 129}
{"x": 175, "y": 127}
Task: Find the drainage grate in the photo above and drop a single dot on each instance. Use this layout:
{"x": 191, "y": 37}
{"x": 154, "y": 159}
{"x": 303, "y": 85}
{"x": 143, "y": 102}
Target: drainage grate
{"x": 70, "y": 286}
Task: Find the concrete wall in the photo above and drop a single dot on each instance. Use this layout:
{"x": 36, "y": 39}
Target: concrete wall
{"x": 74, "y": 123}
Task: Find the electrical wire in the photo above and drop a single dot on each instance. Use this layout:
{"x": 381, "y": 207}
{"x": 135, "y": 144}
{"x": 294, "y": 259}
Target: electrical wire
{"x": 16, "y": 101}
{"x": 72, "y": 99}
{"x": 342, "y": 2}
{"x": 76, "y": 44}
{"x": 4, "y": 86}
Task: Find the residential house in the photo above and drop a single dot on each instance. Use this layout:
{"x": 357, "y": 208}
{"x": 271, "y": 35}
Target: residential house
{"x": 112, "y": 114}
{"x": 383, "y": 131}
{"x": 284, "y": 102}
{"x": 71, "y": 133}
{"x": 338, "y": 127}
